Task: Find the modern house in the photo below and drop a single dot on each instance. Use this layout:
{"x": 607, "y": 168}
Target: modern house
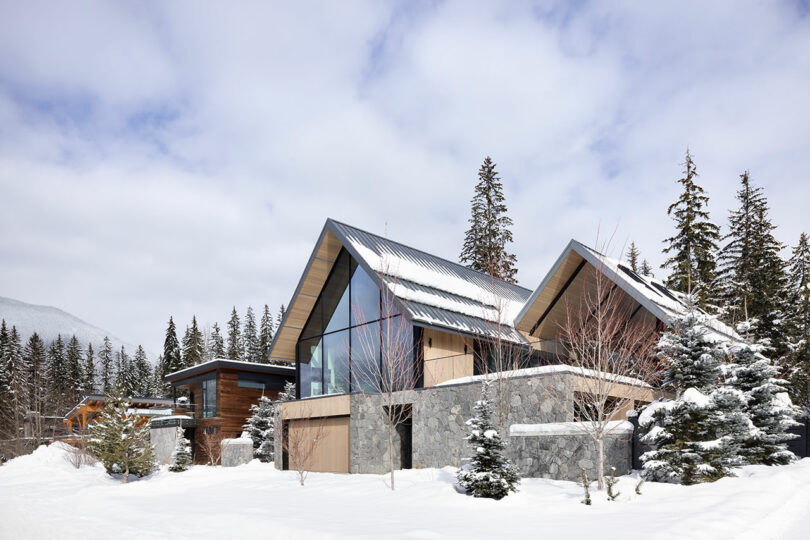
{"x": 454, "y": 319}
{"x": 219, "y": 395}
{"x": 91, "y": 406}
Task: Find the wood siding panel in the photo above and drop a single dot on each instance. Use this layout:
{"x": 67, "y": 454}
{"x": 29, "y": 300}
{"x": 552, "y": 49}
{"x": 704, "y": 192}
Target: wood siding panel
{"x": 445, "y": 357}
{"x": 308, "y": 408}
{"x": 332, "y": 453}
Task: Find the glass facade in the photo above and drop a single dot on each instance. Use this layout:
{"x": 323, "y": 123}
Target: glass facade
{"x": 209, "y": 398}
{"x": 339, "y": 348}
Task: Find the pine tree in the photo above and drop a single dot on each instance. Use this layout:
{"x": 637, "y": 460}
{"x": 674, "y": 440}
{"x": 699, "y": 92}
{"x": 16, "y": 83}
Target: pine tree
{"x": 752, "y": 272}
{"x": 216, "y": 345}
{"x": 119, "y": 440}
{"x": 105, "y": 361}
{"x": 89, "y": 371}
{"x": 127, "y": 377}
{"x": 646, "y": 269}
{"x": 143, "y": 373}
{"x": 799, "y": 322}
{"x": 235, "y": 348}
{"x": 265, "y": 335}
{"x": 57, "y": 377}
{"x": 692, "y": 249}
{"x": 74, "y": 369}
{"x": 14, "y": 400}
{"x": 250, "y": 339}
{"x": 766, "y": 402}
{"x": 489, "y": 233}
{"x": 193, "y": 345}
{"x": 261, "y": 428}
{"x": 288, "y": 394}
{"x": 172, "y": 360}
{"x": 633, "y": 255}
{"x": 159, "y": 386}
{"x": 490, "y": 474}
{"x": 181, "y": 456}
{"x": 280, "y": 317}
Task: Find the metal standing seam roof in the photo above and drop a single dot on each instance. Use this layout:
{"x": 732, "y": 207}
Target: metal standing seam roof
{"x": 449, "y": 294}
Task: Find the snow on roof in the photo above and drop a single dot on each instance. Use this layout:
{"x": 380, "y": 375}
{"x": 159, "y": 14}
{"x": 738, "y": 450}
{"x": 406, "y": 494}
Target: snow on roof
{"x": 437, "y": 291}
{"x": 544, "y": 370}
{"x": 226, "y": 363}
{"x": 671, "y": 302}
{"x": 614, "y": 427}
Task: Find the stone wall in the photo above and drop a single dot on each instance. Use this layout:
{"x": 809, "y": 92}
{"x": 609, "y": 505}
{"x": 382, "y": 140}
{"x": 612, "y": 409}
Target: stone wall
{"x": 235, "y": 452}
{"x": 163, "y": 440}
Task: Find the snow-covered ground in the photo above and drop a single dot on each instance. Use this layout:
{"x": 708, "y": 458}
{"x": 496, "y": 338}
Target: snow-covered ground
{"x": 42, "y": 496}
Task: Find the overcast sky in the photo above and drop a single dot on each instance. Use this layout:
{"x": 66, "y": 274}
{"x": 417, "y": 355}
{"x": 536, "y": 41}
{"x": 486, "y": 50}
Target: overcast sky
{"x": 175, "y": 158}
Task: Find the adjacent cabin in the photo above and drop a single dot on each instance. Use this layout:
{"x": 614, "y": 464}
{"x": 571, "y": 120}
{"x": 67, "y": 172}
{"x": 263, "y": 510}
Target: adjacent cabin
{"x": 357, "y": 286}
{"x": 214, "y": 403}
{"x": 91, "y": 406}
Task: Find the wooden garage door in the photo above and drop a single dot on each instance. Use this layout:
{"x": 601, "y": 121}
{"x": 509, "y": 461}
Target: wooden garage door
{"x": 332, "y": 451}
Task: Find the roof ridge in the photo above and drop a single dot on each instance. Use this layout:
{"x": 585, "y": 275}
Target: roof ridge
{"x": 467, "y": 268}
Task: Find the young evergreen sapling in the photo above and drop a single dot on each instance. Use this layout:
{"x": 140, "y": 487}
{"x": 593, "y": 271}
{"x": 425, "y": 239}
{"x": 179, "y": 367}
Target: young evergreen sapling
{"x": 181, "y": 456}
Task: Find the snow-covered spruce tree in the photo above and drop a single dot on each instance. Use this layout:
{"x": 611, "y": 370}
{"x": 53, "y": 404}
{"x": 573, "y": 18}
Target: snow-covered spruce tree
{"x": 181, "y": 455}
{"x": 143, "y": 373}
{"x": 489, "y": 233}
{"x": 692, "y": 249}
{"x": 695, "y": 437}
{"x": 235, "y": 349}
{"x": 250, "y": 338}
{"x": 57, "y": 378}
{"x": 172, "y": 360}
{"x": 193, "y": 345}
{"x": 216, "y": 345}
{"x": 265, "y": 335}
{"x": 489, "y": 473}
{"x": 126, "y": 377}
{"x": 106, "y": 370}
{"x": 35, "y": 362}
{"x": 261, "y": 428}
{"x": 646, "y": 269}
{"x": 288, "y": 394}
{"x": 766, "y": 402}
{"x": 799, "y": 322}
{"x": 119, "y": 442}
{"x": 73, "y": 355}
{"x": 14, "y": 392}
{"x": 89, "y": 371}
{"x": 280, "y": 317}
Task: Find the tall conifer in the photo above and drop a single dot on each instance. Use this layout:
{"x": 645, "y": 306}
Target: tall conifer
{"x": 172, "y": 361}
{"x": 193, "y": 345}
{"x": 235, "y": 348}
{"x": 485, "y": 242}
{"x": 106, "y": 367}
{"x": 799, "y": 322}
{"x": 250, "y": 338}
{"x": 216, "y": 345}
{"x": 89, "y": 371}
{"x": 633, "y": 255}
{"x": 265, "y": 335}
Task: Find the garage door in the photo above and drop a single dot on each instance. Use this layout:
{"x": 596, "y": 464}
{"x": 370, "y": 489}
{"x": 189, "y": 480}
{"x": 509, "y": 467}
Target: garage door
{"x": 323, "y": 443}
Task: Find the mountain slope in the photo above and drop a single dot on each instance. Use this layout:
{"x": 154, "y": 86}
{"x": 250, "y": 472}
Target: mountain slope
{"x": 49, "y": 321}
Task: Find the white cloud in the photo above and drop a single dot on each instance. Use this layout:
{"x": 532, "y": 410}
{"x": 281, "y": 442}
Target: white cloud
{"x": 179, "y": 158}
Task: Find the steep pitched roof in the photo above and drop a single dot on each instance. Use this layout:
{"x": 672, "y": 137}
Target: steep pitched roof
{"x": 657, "y": 299}
{"x": 430, "y": 290}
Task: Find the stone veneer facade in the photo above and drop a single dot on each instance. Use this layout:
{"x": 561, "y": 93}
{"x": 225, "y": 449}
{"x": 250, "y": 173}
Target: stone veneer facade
{"x": 439, "y": 432}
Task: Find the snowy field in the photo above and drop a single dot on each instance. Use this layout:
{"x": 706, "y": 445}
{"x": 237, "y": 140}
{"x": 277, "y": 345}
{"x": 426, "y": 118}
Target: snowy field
{"x": 42, "y": 496}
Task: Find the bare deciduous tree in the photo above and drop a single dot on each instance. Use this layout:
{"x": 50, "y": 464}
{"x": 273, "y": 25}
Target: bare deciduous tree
{"x": 390, "y": 381}
{"x": 301, "y": 442}
{"x": 211, "y": 446}
{"x": 612, "y": 354}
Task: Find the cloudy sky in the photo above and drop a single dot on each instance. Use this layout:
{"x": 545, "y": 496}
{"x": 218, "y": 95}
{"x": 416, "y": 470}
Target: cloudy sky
{"x": 175, "y": 158}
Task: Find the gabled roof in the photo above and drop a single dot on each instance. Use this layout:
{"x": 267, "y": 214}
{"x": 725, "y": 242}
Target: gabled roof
{"x": 651, "y": 294}
{"x": 431, "y": 291}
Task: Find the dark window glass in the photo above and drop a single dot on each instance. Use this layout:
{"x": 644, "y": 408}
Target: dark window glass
{"x": 397, "y": 364}
{"x": 335, "y": 295}
{"x": 209, "y": 397}
{"x": 365, "y": 297}
{"x": 365, "y": 357}
{"x": 314, "y": 326}
{"x": 336, "y": 362}
{"x": 310, "y": 367}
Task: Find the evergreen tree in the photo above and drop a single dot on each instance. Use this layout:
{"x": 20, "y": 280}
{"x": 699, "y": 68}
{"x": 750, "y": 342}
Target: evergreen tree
{"x": 57, "y": 377}
{"x": 692, "y": 249}
{"x": 261, "y": 428}
{"x": 265, "y": 336}
{"x": 216, "y": 345}
{"x": 691, "y": 358}
{"x": 193, "y": 345}
{"x": 119, "y": 441}
{"x": 106, "y": 367}
{"x": 633, "y": 255}
{"x": 143, "y": 373}
{"x": 127, "y": 378}
{"x": 490, "y": 474}
{"x": 288, "y": 394}
{"x": 646, "y": 269}
{"x": 489, "y": 233}
{"x": 172, "y": 360}
{"x": 235, "y": 348}
{"x": 799, "y": 322}
{"x": 159, "y": 387}
{"x": 181, "y": 455}
{"x": 36, "y": 362}
{"x": 14, "y": 400}
{"x": 250, "y": 339}
{"x": 752, "y": 272}
{"x": 89, "y": 371}
{"x": 280, "y": 317}
{"x": 75, "y": 379}
{"x": 766, "y": 402}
